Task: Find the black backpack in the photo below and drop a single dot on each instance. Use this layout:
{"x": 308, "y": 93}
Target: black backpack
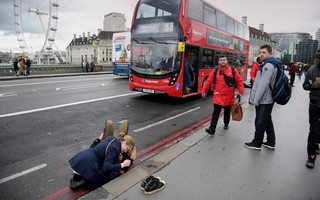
{"x": 281, "y": 92}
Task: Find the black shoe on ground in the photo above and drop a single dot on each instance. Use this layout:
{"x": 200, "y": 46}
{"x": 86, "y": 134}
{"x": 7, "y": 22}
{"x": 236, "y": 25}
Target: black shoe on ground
{"x": 310, "y": 161}
{"x": 154, "y": 185}
{"x": 226, "y": 127}
{"x": 210, "y": 132}
{"x": 250, "y": 145}
{"x": 269, "y": 146}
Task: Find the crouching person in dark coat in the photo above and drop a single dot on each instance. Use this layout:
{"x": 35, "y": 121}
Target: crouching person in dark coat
{"x": 104, "y": 161}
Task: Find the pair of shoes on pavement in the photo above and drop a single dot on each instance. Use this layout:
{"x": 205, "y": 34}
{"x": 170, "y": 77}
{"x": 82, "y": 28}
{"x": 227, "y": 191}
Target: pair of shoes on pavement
{"x": 152, "y": 184}
{"x": 310, "y": 161}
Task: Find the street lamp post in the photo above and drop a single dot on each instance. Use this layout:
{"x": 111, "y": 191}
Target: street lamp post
{"x": 95, "y": 42}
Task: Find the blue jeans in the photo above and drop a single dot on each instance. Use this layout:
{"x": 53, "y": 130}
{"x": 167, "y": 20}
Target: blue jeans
{"x": 263, "y": 123}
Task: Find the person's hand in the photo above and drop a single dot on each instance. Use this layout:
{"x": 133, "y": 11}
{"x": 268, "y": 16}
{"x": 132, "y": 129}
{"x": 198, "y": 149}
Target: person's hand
{"x": 126, "y": 163}
{"x": 101, "y": 136}
{"x": 203, "y": 95}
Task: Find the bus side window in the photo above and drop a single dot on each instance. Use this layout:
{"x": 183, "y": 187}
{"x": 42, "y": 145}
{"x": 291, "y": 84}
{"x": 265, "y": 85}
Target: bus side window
{"x": 207, "y": 59}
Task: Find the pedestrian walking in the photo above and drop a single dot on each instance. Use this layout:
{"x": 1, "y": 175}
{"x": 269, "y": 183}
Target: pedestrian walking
{"x": 22, "y": 69}
{"x": 293, "y": 69}
{"x": 92, "y": 66}
{"x": 254, "y": 69}
{"x": 312, "y": 84}
{"x": 87, "y": 66}
{"x": 28, "y": 65}
{"x": 225, "y": 78}
{"x": 15, "y": 66}
{"x": 261, "y": 97}
{"x": 300, "y": 71}
{"x": 83, "y": 66}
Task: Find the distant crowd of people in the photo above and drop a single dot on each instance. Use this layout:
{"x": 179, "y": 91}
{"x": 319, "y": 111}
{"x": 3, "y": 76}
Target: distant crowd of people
{"x": 22, "y": 66}
{"x": 85, "y": 66}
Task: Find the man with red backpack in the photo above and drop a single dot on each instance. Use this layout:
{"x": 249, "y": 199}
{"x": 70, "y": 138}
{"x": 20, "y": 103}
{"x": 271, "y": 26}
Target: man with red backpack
{"x": 224, "y": 78}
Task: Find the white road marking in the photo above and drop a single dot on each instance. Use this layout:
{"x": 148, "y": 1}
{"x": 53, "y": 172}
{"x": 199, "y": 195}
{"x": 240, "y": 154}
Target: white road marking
{"x": 40, "y": 83}
{"x": 23, "y": 173}
{"x": 162, "y": 121}
{"x": 65, "y": 105}
{"x": 9, "y": 94}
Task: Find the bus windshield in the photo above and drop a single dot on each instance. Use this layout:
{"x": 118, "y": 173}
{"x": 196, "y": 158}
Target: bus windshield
{"x": 157, "y": 8}
{"x": 154, "y": 58}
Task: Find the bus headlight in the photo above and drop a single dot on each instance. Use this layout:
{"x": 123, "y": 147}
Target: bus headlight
{"x": 130, "y": 76}
{"x": 173, "y": 79}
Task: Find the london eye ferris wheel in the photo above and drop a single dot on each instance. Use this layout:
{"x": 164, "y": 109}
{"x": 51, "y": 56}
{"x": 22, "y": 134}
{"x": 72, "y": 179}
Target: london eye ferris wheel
{"x": 49, "y": 25}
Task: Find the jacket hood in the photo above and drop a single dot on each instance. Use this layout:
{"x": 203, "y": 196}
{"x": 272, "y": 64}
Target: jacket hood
{"x": 272, "y": 60}
{"x": 275, "y": 62}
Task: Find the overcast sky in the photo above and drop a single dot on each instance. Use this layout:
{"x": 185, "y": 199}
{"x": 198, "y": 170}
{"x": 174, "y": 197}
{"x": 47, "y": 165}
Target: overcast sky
{"x": 78, "y": 16}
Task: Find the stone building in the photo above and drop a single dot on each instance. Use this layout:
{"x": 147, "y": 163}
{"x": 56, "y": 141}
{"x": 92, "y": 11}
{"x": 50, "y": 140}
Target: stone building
{"x": 82, "y": 47}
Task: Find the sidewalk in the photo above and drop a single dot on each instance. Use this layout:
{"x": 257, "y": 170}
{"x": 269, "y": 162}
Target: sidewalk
{"x": 21, "y": 77}
{"x": 220, "y": 167}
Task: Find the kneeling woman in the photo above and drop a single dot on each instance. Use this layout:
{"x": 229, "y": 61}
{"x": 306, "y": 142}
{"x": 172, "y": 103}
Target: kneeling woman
{"x": 100, "y": 164}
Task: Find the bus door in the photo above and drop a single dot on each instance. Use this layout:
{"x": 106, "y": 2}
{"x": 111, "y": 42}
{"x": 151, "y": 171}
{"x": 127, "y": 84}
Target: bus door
{"x": 192, "y": 56}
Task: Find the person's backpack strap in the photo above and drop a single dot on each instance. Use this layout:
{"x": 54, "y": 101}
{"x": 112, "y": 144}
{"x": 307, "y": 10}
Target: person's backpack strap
{"x": 233, "y": 72}
{"x": 215, "y": 75}
{"x": 109, "y": 145}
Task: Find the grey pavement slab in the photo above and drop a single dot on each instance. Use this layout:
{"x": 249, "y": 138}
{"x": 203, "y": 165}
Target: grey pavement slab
{"x": 220, "y": 167}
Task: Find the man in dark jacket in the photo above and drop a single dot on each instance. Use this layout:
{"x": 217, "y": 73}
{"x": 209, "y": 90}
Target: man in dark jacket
{"x": 312, "y": 84}
{"x": 261, "y": 97}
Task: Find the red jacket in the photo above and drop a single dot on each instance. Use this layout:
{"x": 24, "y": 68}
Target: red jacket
{"x": 223, "y": 94}
{"x": 293, "y": 68}
{"x": 254, "y": 71}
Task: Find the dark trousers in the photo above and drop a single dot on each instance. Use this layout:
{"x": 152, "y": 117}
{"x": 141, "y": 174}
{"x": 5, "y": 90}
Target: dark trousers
{"x": 216, "y": 114}
{"x": 263, "y": 123}
{"x": 292, "y": 77}
{"x": 314, "y": 134}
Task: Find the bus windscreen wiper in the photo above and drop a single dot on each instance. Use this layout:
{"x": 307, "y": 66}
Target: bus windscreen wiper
{"x": 138, "y": 41}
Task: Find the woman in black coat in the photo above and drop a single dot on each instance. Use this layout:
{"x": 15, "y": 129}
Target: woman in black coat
{"x": 99, "y": 164}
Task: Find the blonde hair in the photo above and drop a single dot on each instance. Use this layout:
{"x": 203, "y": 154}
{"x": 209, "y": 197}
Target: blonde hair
{"x": 130, "y": 143}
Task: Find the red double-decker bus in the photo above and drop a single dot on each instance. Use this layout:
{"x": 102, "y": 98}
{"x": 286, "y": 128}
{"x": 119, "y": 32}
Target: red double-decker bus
{"x": 167, "y": 33}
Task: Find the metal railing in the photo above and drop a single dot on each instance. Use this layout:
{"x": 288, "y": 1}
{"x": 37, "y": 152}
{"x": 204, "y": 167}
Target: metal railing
{"x": 6, "y": 70}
